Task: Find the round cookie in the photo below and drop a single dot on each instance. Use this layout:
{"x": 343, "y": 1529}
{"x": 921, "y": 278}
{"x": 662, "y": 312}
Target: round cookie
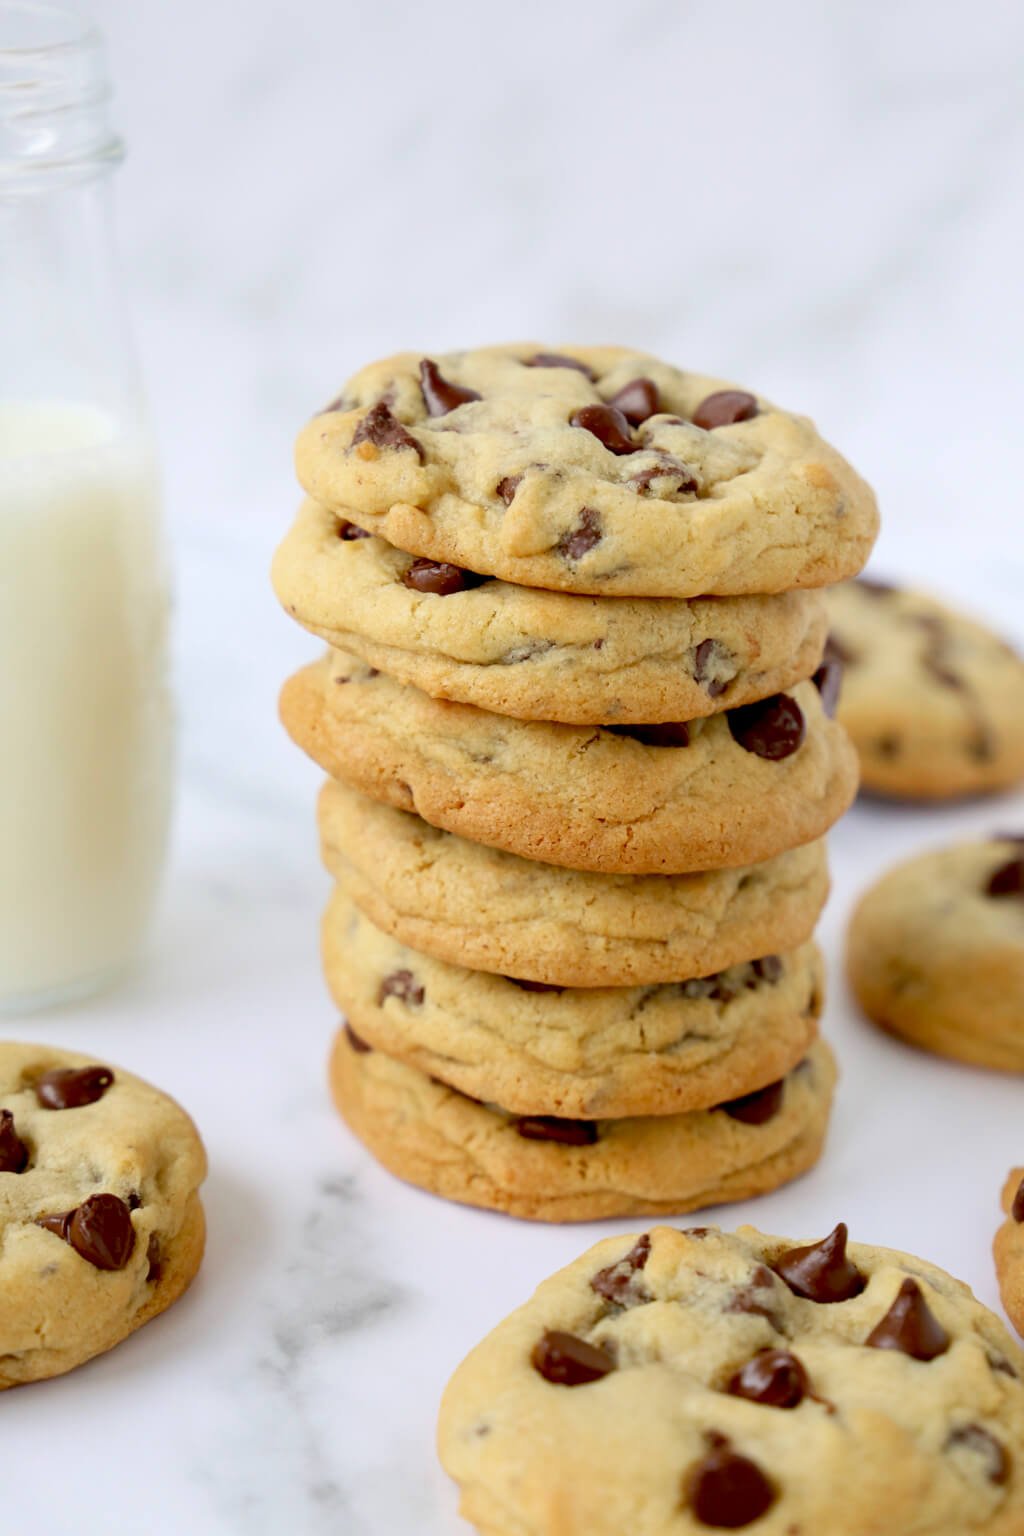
{"x": 1009, "y": 1249}
{"x": 934, "y": 701}
{"x": 541, "y": 655}
{"x": 602, "y": 471}
{"x": 697, "y": 1380}
{"x": 935, "y": 952}
{"x": 491, "y": 911}
{"x": 608, "y": 1051}
{"x": 100, "y": 1222}
{"x": 582, "y": 796}
{"x": 553, "y": 1169}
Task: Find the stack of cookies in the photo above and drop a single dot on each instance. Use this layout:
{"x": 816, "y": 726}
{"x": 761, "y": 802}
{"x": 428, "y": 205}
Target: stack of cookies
{"x": 578, "y": 730}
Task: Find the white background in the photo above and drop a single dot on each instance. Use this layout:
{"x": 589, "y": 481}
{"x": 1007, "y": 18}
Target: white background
{"x": 821, "y": 201}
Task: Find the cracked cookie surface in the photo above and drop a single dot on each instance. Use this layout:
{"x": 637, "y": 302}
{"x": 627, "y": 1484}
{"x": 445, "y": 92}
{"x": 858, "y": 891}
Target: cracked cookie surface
{"x": 609, "y": 1051}
{"x": 492, "y": 911}
{"x": 697, "y": 1380}
{"x": 1009, "y": 1249}
{"x": 100, "y": 1222}
{"x": 746, "y": 785}
{"x": 541, "y": 655}
{"x": 935, "y": 952}
{"x": 559, "y": 1169}
{"x": 602, "y": 471}
{"x": 933, "y": 700}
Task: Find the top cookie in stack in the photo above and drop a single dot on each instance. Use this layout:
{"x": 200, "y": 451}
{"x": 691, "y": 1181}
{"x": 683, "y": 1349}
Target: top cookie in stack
{"x": 569, "y": 599}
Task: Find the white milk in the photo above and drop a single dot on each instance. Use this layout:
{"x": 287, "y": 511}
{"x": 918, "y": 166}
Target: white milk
{"x": 85, "y": 714}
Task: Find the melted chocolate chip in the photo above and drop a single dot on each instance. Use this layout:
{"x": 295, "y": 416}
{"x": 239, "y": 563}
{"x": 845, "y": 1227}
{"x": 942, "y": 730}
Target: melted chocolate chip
{"x": 440, "y": 395}
{"x": 568, "y": 1133}
{"x": 670, "y": 733}
{"x": 829, "y": 680}
{"x": 100, "y": 1230}
{"x": 757, "y": 1108}
{"x": 773, "y": 1377}
{"x": 72, "y": 1087}
{"x": 667, "y": 467}
{"x": 910, "y": 1326}
{"x": 439, "y": 578}
{"x": 404, "y": 986}
{"x": 708, "y": 654}
{"x": 768, "y": 968}
{"x": 978, "y": 1441}
{"x": 558, "y": 360}
{"x": 724, "y": 408}
{"x": 874, "y": 587}
{"x": 1008, "y": 879}
{"x": 581, "y": 539}
{"x": 727, "y": 1491}
{"x": 13, "y": 1151}
{"x": 618, "y": 1283}
{"x": 772, "y": 728}
{"x": 534, "y": 986}
{"x": 349, "y": 531}
{"x": 1017, "y": 1208}
{"x": 357, "y": 1043}
{"x": 607, "y": 424}
{"x": 154, "y": 1260}
{"x": 746, "y": 1298}
{"x": 567, "y": 1361}
{"x": 506, "y": 489}
{"x": 637, "y": 400}
{"x": 134, "y": 1200}
{"x": 383, "y": 430}
{"x": 821, "y": 1272}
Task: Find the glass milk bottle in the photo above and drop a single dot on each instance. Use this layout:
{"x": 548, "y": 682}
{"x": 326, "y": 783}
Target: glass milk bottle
{"x": 85, "y": 714}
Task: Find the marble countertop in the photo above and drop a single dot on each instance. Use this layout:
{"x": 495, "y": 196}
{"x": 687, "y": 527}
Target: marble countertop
{"x": 824, "y": 202}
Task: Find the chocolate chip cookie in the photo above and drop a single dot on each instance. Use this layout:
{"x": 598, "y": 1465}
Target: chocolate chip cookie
{"x": 595, "y": 470}
{"x": 695, "y": 1380}
{"x": 936, "y": 952}
{"x": 548, "y": 1168}
{"x": 541, "y": 655}
{"x": 608, "y": 1051}
{"x": 933, "y": 700}
{"x": 491, "y": 911}
{"x": 100, "y": 1222}
{"x": 1009, "y": 1249}
{"x": 732, "y": 789}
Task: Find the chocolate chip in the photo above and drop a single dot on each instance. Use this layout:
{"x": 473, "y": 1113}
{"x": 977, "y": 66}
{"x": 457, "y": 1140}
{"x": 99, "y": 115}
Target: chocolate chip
{"x": 100, "y": 1230}
{"x": 821, "y": 1272}
{"x": 440, "y": 395}
{"x": 507, "y": 488}
{"x": 339, "y": 403}
{"x": 1017, "y": 1208}
{"x": 439, "y": 578}
{"x": 829, "y": 680}
{"x": 558, "y": 360}
{"x": 768, "y": 968}
{"x": 888, "y": 746}
{"x": 568, "y": 1133}
{"x": 726, "y": 1490}
{"x": 724, "y": 408}
{"x": 708, "y": 655}
{"x": 13, "y": 1151}
{"x": 773, "y": 1377}
{"x": 404, "y": 986}
{"x": 910, "y": 1326}
{"x": 874, "y": 587}
{"x": 533, "y": 986}
{"x": 154, "y": 1261}
{"x": 637, "y": 400}
{"x": 567, "y": 1361}
{"x": 971, "y": 1437}
{"x": 618, "y": 1283}
{"x": 581, "y": 539}
{"x": 383, "y": 430}
{"x": 607, "y": 424}
{"x": 72, "y": 1087}
{"x": 357, "y": 1042}
{"x": 757, "y": 1108}
{"x": 772, "y": 728}
{"x": 1008, "y": 879}
{"x": 670, "y": 733}
{"x": 134, "y": 1200}
{"x": 746, "y": 1298}
{"x": 667, "y": 467}
{"x": 349, "y": 531}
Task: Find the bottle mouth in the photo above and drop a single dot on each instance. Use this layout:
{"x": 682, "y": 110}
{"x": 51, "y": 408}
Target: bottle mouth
{"x": 54, "y": 98}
